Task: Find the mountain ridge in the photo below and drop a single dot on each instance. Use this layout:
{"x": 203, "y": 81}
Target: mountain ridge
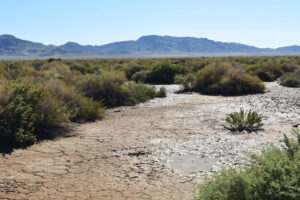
{"x": 145, "y": 46}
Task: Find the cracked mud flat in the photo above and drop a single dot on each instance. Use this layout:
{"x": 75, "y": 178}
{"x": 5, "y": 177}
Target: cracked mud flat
{"x": 157, "y": 150}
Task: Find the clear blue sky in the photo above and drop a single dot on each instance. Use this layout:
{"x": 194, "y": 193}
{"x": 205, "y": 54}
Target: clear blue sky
{"x": 263, "y": 23}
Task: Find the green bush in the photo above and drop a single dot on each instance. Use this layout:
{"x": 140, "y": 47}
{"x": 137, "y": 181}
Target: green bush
{"x": 274, "y": 174}
{"x": 291, "y": 79}
{"x": 26, "y": 114}
{"x": 187, "y": 81}
{"x": 68, "y": 96}
{"x": 261, "y": 73}
{"x": 35, "y": 100}
{"x": 162, "y": 92}
{"x": 90, "y": 110}
{"x": 208, "y": 79}
{"x": 266, "y": 71}
{"x": 244, "y": 120}
{"x": 131, "y": 70}
{"x": 141, "y": 76}
{"x": 106, "y": 87}
{"x": 140, "y": 92}
{"x": 83, "y": 67}
{"x": 222, "y": 78}
{"x": 110, "y": 88}
{"x": 164, "y": 73}
{"x": 291, "y": 82}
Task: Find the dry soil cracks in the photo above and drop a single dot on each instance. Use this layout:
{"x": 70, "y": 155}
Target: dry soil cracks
{"x": 157, "y": 150}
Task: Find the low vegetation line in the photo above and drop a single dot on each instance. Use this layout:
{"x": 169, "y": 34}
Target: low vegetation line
{"x": 38, "y": 96}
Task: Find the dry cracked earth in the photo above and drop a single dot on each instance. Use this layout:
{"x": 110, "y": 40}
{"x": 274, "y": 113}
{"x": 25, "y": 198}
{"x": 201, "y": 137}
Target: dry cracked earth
{"x": 157, "y": 150}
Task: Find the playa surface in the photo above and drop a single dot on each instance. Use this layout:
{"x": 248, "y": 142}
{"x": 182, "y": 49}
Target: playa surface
{"x": 160, "y": 149}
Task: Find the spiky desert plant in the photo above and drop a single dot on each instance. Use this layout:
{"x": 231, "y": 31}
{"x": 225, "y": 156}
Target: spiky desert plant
{"x": 244, "y": 120}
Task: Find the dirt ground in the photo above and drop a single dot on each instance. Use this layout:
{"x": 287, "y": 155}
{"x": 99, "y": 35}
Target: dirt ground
{"x": 157, "y": 150}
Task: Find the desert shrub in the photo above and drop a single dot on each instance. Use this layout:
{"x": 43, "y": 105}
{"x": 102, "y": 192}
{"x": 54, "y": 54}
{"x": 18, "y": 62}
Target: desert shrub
{"x": 162, "y": 92}
{"x": 68, "y": 96}
{"x": 291, "y": 79}
{"x": 63, "y": 72}
{"x": 291, "y": 82}
{"x": 141, "y": 76}
{"x": 140, "y": 92}
{"x": 261, "y": 73}
{"x": 238, "y": 82}
{"x": 266, "y": 71}
{"x": 244, "y": 120}
{"x": 89, "y": 110}
{"x": 186, "y": 81}
{"x": 222, "y": 78}
{"x": 288, "y": 65}
{"x": 111, "y": 90}
{"x": 51, "y": 113}
{"x": 5, "y": 91}
{"x": 274, "y": 174}
{"x": 131, "y": 70}
{"x": 53, "y": 59}
{"x": 197, "y": 65}
{"x": 83, "y": 67}
{"x": 106, "y": 87}
{"x": 208, "y": 79}
{"x": 78, "y": 107}
{"x": 164, "y": 73}
{"x": 265, "y": 75}
{"x": 37, "y": 64}
{"x": 79, "y": 68}
{"x": 27, "y": 113}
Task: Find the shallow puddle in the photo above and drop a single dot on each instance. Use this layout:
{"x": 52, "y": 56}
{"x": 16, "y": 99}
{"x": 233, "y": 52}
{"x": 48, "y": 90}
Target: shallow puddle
{"x": 191, "y": 164}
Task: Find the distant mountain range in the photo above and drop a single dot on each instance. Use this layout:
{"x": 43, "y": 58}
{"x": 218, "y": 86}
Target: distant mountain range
{"x": 146, "y": 46}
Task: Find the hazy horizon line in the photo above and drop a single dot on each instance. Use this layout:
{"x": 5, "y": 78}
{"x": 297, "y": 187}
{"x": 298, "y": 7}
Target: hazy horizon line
{"x": 162, "y": 35}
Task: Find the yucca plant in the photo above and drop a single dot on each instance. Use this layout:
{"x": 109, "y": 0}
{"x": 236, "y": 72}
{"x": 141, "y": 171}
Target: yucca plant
{"x": 244, "y": 120}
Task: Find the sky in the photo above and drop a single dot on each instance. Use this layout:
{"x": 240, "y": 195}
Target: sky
{"x": 261, "y": 23}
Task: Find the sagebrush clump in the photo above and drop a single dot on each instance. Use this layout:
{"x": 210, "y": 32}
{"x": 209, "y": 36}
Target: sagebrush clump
{"x": 291, "y": 79}
{"x": 140, "y": 92}
{"x": 141, "y": 76}
{"x": 107, "y": 87}
{"x": 224, "y": 79}
{"x": 162, "y": 73}
{"x": 187, "y": 81}
{"x": 162, "y": 92}
{"x": 27, "y": 111}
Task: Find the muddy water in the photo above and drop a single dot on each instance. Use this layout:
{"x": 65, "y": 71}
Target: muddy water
{"x": 160, "y": 149}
